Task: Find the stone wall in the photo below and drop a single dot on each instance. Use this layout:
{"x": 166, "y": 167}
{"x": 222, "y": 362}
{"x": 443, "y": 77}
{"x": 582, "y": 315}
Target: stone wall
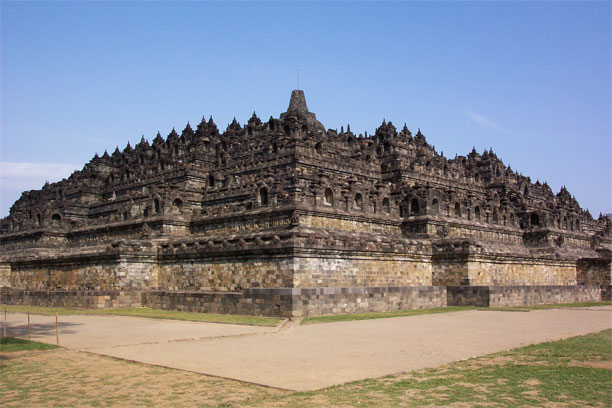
{"x": 350, "y": 223}
{"x": 225, "y": 274}
{"x": 465, "y": 268}
{"x": 5, "y": 273}
{"x": 450, "y": 272}
{"x": 354, "y": 269}
{"x": 467, "y": 296}
{"x": 318, "y": 276}
{"x": 81, "y": 273}
{"x": 483, "y": 232}
{"x": 510, "y": 271}
{"x": 606, "y": 292}
{"x": 232, "y": 225}
{"x": 255, "y": 302}
{"x": 335, "y": 300}
{"x": 505, "y": 296}
{"x": 594, "y": 271}
{"x": 97, "y": 299}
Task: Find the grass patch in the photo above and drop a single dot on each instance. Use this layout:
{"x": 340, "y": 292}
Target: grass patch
{"x": 11, "y": 344}
{"x": 146, "y": 312}
{"x": 382, "y": 315}
{"x": 48, "y": 379}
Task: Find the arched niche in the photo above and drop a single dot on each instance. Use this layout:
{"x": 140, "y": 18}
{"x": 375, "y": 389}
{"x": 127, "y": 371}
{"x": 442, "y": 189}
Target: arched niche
{"x": 263, "y": 196}
{"x": 177, "y": 205}
{"x": 415, "y": 208}
{"x": 328, "y": 198}
{"x": 435, "y": 206}
{"x": 386, "y": 205}
{"x": 358, "y": 201}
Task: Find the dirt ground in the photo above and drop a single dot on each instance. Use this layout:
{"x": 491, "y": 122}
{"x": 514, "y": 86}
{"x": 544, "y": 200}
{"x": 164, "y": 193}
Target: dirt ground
{"x": 91, "y": 331}
{"x": 79, "y": 378}
{"x": 315, "y": 356}
{"x": 310, "y": 357}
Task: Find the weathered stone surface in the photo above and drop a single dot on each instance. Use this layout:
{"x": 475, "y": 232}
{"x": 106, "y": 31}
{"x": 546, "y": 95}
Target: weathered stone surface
{"x": 102, "y": 299}
{"x": 523, "y": 295}
{"x": 229, "y": 221}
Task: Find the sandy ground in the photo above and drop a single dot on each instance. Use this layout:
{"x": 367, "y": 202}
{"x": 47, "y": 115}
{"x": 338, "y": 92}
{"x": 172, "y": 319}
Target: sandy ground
{"x": 88, "y": 331}
{"x": 315, "y": 356}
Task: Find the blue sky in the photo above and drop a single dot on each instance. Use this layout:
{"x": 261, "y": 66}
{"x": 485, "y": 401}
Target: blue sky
{"x": 532, "y": 80}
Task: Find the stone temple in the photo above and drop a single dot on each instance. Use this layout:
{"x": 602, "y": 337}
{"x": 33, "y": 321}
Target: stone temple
{"x": 288, "y": 218}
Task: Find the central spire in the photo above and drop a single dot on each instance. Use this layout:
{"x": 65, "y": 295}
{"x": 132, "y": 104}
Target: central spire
{"x": 298, "y": 109}
{"x": 297, "y": 104}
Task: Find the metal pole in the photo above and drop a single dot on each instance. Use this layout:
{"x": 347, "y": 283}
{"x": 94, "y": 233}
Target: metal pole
{"x": 56, "y": 330}
{"x": 28, "y": 325}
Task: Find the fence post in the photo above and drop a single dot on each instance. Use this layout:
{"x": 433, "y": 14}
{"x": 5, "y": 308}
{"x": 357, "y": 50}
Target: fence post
{"x": 56, "y": 330}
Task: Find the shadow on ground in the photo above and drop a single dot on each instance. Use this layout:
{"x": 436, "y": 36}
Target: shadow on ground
{"x": 40, "y": 329}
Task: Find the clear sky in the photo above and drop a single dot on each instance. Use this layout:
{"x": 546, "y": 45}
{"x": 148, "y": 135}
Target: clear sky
{"x": 532, "y": 80}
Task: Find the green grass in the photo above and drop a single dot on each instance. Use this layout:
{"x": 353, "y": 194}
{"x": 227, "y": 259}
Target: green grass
{"x": 400, "y": 313}
{"x": 10, "y": 344}
{"x": 146, "y": 312}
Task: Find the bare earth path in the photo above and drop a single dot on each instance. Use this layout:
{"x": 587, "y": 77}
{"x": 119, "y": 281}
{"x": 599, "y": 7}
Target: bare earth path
{"x": 316, "y": 356}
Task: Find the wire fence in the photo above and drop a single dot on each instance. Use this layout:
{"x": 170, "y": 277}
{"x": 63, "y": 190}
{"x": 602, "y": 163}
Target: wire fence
{"x": 18, "y": 329}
